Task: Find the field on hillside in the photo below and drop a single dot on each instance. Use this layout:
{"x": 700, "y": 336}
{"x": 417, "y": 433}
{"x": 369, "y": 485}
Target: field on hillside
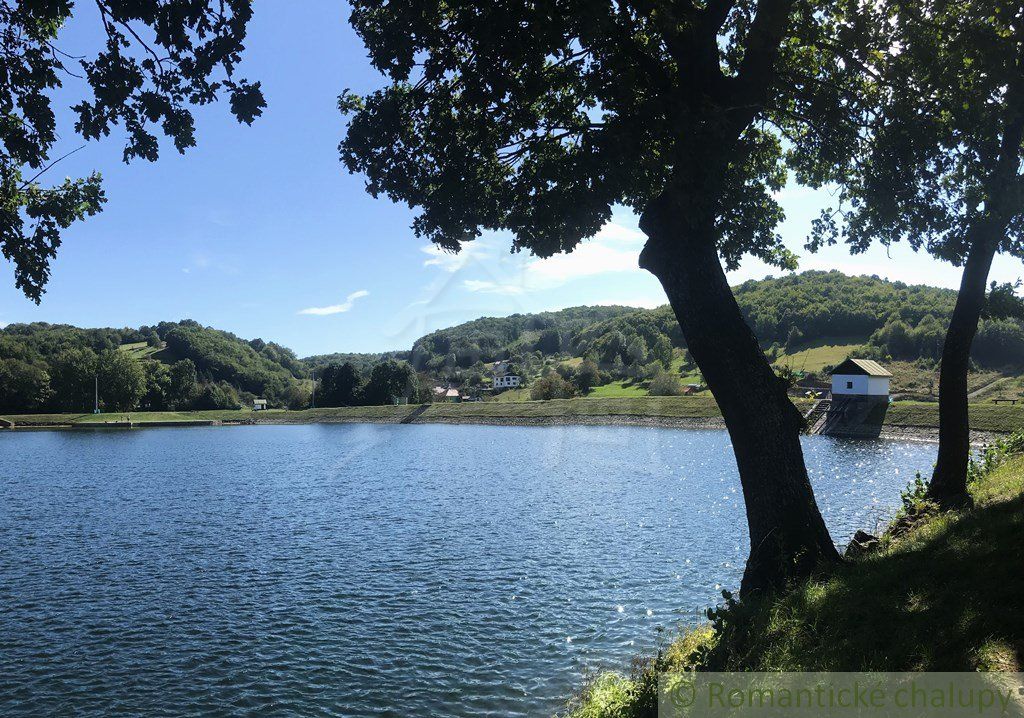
{"x": 139, "y": 350}
{"x": 815, "y": 356}
{"x": 617, "y": 389}
{"x": 1004, "y": 388}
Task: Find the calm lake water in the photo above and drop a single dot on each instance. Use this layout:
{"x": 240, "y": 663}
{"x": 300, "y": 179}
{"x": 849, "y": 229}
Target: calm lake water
{"x": 357, "y": 570}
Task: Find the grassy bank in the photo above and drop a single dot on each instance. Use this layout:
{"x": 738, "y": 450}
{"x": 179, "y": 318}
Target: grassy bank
{"x": 701, "y": 407}
{"x": 1001, "y": 418}
{"x": 943, "y": 592}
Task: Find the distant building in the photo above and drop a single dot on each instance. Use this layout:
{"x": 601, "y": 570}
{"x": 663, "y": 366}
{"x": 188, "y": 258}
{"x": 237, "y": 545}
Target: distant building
{"x": 860, "y": 377}
{"x": 508, "y": 381}
{"x": 259, "y": 404}
{"x": 447, "y": 394}
{"x": 503, "y": 378}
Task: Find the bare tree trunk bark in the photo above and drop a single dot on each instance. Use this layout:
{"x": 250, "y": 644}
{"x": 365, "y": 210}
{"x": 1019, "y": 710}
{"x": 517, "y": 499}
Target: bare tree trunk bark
{"x": 788, "y": 537}
{"x": 949, "y": 480}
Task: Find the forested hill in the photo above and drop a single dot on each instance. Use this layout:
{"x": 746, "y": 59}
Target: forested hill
{"x": 891, "y": 319}
{"x": 490, "y": 338}
{"x": 179, "y": 365}
{"x": 168, "y": 365}
{"x": 801, "y": 308}
{"x": 362, "y": 362}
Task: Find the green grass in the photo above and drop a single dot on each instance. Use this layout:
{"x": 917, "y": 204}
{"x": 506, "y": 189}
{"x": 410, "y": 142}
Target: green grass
{"x": 1011, "y": 387}
{"x": 1002, "y": 418}
{"x": 139, "y": 350}
{"x": 513, "y": 395}
{"x": 137, "y": 417}
{"x": 702, "y": 406}
{"x": 815, "y": 356}
{"x": 945, "y": 595}
{"x": 617, "y": 389}
{"x": 641, "y": 406}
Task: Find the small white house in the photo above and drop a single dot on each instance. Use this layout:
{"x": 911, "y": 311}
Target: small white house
{"x": 860, "y": 377}
{"x": 502, "y": 378}
{"x": 507, "y": 381}
{"x": 259, "y": 404}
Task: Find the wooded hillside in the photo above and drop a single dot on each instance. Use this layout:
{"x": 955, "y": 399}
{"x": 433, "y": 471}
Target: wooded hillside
{"x": 812, "y": 320}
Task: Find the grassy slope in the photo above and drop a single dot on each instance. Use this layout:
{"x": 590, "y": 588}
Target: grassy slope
{"x": 945, "y": 596}
{"x": 984, "y": 417}
{"x": 817, "y": 355}
{"x": 671, "y": 407}
{"x": 617, "y": 389}
{"x": 1006, "y": 388}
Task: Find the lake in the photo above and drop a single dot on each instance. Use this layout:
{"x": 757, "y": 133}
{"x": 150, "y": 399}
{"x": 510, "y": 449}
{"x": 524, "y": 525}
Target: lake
{"x": 371, "y": 570}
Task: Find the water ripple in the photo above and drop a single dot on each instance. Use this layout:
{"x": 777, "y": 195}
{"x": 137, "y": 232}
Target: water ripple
{"x": 370, "y": 570}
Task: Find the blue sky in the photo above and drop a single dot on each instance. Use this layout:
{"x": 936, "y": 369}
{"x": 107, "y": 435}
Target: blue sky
{"x": 260, "y": 231}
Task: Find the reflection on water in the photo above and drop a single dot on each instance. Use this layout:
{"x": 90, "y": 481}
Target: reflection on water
{"x": 371, "y": 570}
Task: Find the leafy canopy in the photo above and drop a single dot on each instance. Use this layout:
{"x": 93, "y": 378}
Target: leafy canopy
{"x": 539, "y": 117}
{"x": 931, "y": 141}
{"x": 160, "y": 58}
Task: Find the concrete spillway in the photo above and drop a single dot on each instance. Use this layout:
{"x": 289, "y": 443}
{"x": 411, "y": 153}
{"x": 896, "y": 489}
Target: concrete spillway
{"x": 853, "y": 416}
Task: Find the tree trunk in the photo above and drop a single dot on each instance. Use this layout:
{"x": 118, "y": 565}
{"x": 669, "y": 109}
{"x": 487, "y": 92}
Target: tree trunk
{"x": 788, "y": 537}
{"x": 949, "y": 480}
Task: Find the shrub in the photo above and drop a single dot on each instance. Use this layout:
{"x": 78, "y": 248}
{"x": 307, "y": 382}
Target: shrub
{"x": 666, "y": 384}
{"x": 551, "y": 386}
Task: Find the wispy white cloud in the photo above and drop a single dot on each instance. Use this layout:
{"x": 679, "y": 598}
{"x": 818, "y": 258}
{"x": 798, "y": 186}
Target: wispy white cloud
{"x": 452, "y": 262}
{"x": 336, "y": 308}
{"x": 488, "y": 287}
{"x": 202, "y": 262}
{"x": 616, "y": 248}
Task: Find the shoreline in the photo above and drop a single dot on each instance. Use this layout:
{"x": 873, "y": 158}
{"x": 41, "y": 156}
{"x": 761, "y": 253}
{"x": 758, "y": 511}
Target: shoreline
{"x": 922, "y": 434}
{"x": 904, "y": 421}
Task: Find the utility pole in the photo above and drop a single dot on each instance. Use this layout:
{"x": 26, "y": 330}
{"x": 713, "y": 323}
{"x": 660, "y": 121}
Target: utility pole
{"x": 96, "y": 405}
{"x": 313, "y": 395}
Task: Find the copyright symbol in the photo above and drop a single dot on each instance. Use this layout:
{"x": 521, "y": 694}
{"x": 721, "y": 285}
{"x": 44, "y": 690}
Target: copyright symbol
{"x": 683, "y": 694}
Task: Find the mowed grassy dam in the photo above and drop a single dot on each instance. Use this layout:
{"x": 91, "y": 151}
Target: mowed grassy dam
{"x": 696, "y": 410}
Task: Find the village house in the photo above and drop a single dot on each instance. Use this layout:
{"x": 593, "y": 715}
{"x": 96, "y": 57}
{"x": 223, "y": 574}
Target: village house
{"x": 502, "y": 376}
{"x": 259, "y": 404}
{"x": 447, "y": 394}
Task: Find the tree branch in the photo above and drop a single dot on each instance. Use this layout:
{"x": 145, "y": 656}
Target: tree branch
{"x": 27, "y": 183}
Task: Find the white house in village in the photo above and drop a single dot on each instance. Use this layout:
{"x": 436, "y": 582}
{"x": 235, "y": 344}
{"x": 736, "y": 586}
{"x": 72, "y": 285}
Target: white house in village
{"x": 860, "y": 377}
{"x": 259, "y": 404}
{"x": 508, "y": 381}
{"x": 502, "y": 378}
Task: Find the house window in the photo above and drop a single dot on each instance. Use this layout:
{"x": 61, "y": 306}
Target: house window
{"x": 849, "y": 385}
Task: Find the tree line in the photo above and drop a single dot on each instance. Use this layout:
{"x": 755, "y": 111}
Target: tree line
{"x": 179, "y": 366}
{"x": 893, "y": 320}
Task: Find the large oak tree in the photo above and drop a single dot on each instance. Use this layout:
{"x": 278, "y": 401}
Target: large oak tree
{"x": 928, "y": 150}
{"x": 539, "y": 116}
{"x": 159, "y": 59}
